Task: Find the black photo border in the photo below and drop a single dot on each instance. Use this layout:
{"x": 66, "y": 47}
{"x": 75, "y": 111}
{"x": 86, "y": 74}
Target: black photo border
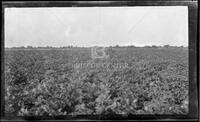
{"x": 193, "y": 60}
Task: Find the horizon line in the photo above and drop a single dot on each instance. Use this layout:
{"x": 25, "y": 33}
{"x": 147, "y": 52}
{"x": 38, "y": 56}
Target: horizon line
{"x": 30, "y": 46}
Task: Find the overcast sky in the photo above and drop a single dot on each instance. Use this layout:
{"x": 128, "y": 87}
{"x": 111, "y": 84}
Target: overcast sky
{"x": 101, "y": 26}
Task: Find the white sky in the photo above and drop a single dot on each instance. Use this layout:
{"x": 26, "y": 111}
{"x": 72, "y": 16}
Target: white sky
{"x": 101, "y": 26}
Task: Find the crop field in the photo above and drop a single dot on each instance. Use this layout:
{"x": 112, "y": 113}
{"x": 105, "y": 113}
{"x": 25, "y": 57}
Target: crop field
{"x": 132, "y": 80}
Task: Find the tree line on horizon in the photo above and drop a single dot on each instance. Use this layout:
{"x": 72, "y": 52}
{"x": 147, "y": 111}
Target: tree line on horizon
{"x": 70, "y": 46}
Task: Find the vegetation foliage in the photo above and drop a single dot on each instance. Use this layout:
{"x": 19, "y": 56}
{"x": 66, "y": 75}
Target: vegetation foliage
{"x": 41, "y": 82}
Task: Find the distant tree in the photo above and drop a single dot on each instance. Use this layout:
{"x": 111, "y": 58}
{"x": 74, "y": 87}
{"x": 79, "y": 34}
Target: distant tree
{"x": 154, "y": 46}
{"x": 147, "y": 46}
{"x": 22, "y": 47}
{"x": 49, "y": 47}
{"x": 116, "y": 45}
{"x": 132, "y": 46}
{"x": 29, "y": 46}
{"x": 166, "y": 46}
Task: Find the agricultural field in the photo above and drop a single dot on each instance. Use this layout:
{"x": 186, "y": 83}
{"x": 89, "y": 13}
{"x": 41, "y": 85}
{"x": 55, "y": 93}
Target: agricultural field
{"x": 68, "y": 81}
